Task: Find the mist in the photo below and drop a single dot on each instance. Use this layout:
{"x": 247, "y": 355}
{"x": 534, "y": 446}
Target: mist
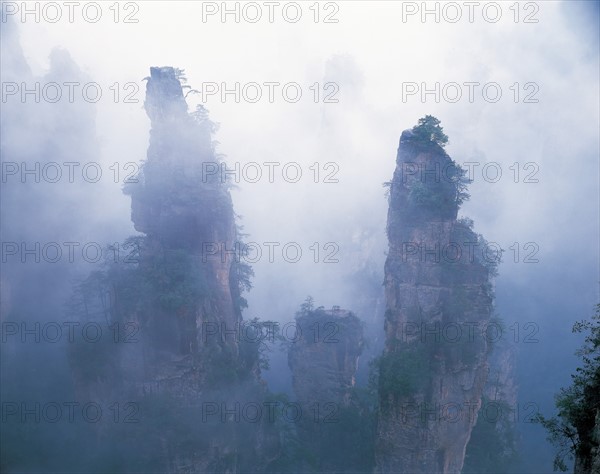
{"x": 517, "y": 97}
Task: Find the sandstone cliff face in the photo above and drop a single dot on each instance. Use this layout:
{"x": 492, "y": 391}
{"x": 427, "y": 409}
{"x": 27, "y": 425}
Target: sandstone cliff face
{"x": 493, "y": 442}
{"x": 183, "y": 209}
{"x": 324, "y": 358}
{"x": 188, "y": 368}
{"x": 434, "y": 368}
{"x": 323, "y": 361}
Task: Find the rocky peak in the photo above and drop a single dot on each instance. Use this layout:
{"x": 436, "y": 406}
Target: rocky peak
{"x": 323, "y": 359}
{"x": 186, "y": 304}
{"x": 164, "y": 96}
{"x": 433, "y": 282}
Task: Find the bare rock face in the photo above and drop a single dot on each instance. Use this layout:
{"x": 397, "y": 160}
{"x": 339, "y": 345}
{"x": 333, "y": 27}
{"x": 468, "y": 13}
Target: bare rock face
{"x": 323, "y": 359}
{"x": 439, "y": 298}
{"x": 493, "y": 443}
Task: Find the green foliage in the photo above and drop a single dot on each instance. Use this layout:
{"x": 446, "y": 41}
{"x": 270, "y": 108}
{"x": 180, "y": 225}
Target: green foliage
{"x": 443, "y": 193}
{"x": 174, "y": 279}
{"x": 492, "y": 446}
{"x": 572, "y": 431}
{"x": 159, "y": 416}
{"x": 387, "y": 190}
{"x": 466, "y": 222}
{"x": 223, "y": 369}
{"x": 426, "y": 196}
{"x": 201, "y": 116}
{"x": 180, "y": 75}
{"x": 442, "y": 186}
{"x": 402, "y": 373}
{"x": 341, "y": 441}
{"x": 490, "y": 257}
{"x": 241, "y": 274}
{"x": 348, "y": 443}
{"x": 255, "y": 343}
{"x": 307, "y": 307}
{"x": 94, "y": 361}
{"x": 429, "y": 130}
{"x": 447, "y": 192}
{"x": 244, "y": 273}
{"x": 483, "y": 253}
{"x": 293, "y": 453}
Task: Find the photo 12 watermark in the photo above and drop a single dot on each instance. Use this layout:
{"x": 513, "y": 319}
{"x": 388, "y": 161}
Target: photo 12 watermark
{"x": 261, "y": 332}
{"x": 271, "y": 252}
{"x": 453, "y": 252}
{"x": 131, "y": 92}
{"x": 70, "y": 12}
{"x": 73, "y": 332}
{"x": 268, "y": 92}
{"x": 69, "y": 412}
{"x": 268, "y": 411}
{"x": 252, "y": 172}
{"x": 470, "y": 92}
{"x": 469, "y": 332}
{"x": 490, "y": 411}
{"x": 270, "y": 12}
{"x": 71, "y": 92}
{"x": 270, "y": 171}
{"x": 469, "y": 12}
{"x": 71, "y": 252}
{"x": 70, "y": 172}
{"x": 489, "y": 172}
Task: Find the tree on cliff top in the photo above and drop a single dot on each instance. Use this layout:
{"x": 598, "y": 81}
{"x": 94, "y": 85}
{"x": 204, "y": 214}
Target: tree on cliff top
{"x": 429, "y": 130}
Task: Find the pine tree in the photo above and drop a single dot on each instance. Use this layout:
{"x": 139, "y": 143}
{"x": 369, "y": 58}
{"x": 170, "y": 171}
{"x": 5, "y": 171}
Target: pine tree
{"x": 429, "y": 130}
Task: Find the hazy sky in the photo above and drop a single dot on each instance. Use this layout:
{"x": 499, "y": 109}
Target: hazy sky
{"x": 369, "y": 54}
{"x": 368, "y": 58}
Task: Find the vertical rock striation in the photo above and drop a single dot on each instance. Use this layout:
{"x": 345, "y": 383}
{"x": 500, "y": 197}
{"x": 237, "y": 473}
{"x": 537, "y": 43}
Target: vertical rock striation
{"x": 439, "y": 298}
{"x": 493, "y": 443}
{"x": 188, "y": 370}
{"x": 187, "y": 216}
{"x": 323, "y": 359}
